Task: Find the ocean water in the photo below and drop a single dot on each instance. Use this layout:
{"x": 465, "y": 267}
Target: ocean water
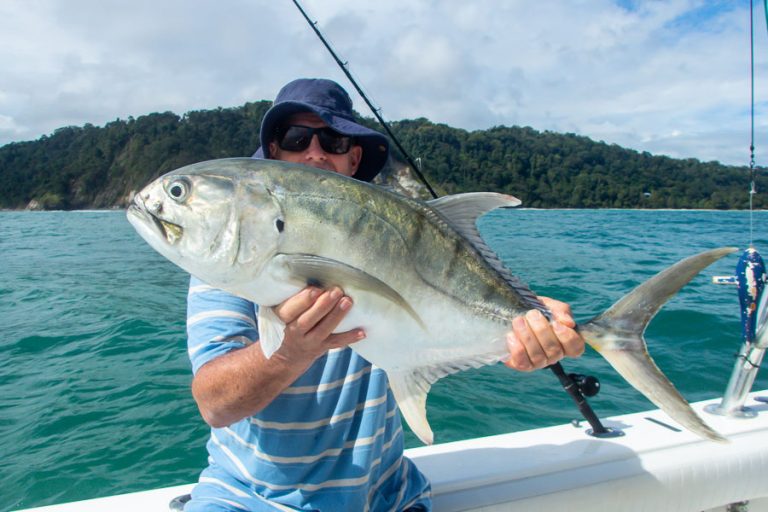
{"x": 94, "y": 378}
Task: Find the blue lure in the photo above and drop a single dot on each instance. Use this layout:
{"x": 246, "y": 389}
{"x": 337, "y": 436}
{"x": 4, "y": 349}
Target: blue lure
{"x": 751, "y": 278}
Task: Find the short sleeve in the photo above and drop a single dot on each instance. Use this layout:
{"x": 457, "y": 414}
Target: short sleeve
{"x": 217, "y": 322}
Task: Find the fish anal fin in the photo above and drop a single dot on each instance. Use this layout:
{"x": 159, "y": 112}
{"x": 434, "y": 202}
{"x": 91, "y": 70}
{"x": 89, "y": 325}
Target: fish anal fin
{"x": 411, "y": 388}
{"x": 410, "y": 392}
{"x": 271, "y": 331}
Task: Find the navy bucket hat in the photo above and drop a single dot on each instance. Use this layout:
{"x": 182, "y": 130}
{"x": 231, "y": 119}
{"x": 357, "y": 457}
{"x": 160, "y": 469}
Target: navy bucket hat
{"x": 333, "y": 105}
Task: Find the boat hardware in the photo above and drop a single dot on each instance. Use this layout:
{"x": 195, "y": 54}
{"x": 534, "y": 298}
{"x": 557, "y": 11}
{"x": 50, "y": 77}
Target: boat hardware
{"x": 739, "y": 506}
{"x": 665, "y": 425}
{"x": 570, "y": 387}
{"x": 177, "y": 503}
{"x": 587, "y": 384}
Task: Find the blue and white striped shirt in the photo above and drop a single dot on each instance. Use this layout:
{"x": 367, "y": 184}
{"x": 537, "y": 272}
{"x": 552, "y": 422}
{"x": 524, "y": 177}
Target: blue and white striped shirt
{"x": 333, "y": 440}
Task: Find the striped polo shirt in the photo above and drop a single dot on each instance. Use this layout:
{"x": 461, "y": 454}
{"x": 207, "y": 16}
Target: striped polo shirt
{"x": 333, "y": 440}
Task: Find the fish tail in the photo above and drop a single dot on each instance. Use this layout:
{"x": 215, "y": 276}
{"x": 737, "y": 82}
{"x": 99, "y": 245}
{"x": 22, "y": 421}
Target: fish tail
{"x": 617, "y": 335}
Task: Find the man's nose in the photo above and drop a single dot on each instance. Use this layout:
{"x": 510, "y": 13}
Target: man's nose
{"x": 314, "y": 150}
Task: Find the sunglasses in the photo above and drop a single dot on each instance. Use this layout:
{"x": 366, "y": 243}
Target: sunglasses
{"x": 297, "y": 138}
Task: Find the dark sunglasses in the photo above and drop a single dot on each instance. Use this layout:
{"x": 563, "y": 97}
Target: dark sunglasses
{"x": 297, "y": 138}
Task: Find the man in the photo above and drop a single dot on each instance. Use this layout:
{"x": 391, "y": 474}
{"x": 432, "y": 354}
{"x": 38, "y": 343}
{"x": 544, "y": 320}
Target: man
{"x": 315, "y": 426}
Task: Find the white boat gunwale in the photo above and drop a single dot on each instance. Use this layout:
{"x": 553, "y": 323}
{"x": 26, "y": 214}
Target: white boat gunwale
{"x": 655, "y": 466}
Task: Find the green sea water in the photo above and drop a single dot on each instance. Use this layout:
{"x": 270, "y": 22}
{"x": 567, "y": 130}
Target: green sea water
{"x": 94, "y": 377}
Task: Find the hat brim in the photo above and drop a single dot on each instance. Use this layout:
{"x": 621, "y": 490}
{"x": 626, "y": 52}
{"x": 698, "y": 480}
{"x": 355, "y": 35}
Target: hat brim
{"x": 375, "y": 145}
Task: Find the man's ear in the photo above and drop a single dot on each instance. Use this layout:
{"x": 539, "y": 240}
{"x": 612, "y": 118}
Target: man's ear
{"x": 272, "y": 150}
{"x": 355, "y": 155}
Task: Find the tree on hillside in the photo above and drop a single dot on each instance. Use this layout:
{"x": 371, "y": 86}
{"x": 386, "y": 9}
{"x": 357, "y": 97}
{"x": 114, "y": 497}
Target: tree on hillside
{"x": 99, "y": 167}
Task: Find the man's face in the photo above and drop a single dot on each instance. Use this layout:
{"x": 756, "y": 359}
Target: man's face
{"x": 315, "y": 155}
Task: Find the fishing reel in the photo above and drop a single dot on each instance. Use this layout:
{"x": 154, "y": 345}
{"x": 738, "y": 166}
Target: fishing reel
{"x": 587, "y": 384}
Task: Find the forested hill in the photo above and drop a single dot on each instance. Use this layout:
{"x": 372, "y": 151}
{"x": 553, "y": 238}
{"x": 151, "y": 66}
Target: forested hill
{"x": 100, "y": 167}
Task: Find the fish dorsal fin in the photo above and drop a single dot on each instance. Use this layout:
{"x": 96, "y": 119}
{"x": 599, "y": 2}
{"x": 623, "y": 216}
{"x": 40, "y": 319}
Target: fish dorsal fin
{"x": 326, "y": 272}
{"x": 271, "y": 330}
{"x": 410, "y": 389}
{"x": 462, "y": 212}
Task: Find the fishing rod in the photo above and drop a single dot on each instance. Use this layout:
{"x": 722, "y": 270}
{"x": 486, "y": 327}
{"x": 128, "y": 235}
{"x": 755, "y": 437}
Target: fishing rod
{"x": 577, "y": 386}
{"x": 344, "y": 68}
{"x": 752, "y": 171}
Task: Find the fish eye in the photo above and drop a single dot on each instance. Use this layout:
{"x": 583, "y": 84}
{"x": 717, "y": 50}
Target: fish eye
{"x": 178, "y": 190}
{"x": 280, "y": 225}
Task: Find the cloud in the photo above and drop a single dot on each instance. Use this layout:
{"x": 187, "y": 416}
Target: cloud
{"x": 668, "y": 77}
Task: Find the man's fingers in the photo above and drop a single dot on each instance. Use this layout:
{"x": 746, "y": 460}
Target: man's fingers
{"x": 546, "y": 346}
{"x": 526, "y": 353}
{"x": 535, "y": 342}
{"x": 323, "y": 305}
{"x": 293, "y": 307}
{"x": 570, "y": 340}
{"x": 319, "y": 314}
{"x": 325, "y": 325}
{"x": 561, "y": 312}
{"x": 518, "y": 355}
{"x": 343, "y": 339}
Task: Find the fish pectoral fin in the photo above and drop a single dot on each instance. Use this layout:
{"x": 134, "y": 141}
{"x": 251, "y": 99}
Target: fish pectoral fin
{"x": 325, "y": 272}
{"x": 271, "y": 330}
{"x": 410, "y": 391}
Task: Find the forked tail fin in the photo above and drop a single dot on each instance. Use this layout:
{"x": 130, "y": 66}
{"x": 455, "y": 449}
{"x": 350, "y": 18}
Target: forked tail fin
{"x": 617, "y": 335}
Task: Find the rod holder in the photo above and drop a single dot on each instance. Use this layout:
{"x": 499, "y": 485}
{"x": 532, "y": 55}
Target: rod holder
{"x": 740, "y": 384}
{"x": 751, "y": 278}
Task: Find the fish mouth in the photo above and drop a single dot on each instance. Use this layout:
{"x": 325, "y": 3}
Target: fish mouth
{"x": 168, "y": 230}
{"x": 172, "y": 232}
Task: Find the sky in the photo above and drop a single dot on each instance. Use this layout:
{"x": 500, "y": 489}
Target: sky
{"x": 669, "y": 77}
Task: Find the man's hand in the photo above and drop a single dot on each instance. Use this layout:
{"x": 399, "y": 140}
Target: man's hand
{"x": 534, "y": 342}
{"x": 310, "y": 318}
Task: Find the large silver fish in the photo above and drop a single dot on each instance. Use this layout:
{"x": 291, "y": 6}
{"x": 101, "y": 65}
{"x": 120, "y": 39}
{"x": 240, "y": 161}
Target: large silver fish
{"x": 432, "y": 297}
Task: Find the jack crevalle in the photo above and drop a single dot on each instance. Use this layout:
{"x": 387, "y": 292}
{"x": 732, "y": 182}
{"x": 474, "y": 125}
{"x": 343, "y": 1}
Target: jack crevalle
{"x": 432, "y": 297}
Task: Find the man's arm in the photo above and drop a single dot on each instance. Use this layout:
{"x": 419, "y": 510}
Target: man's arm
{"x": 240, "y": 383}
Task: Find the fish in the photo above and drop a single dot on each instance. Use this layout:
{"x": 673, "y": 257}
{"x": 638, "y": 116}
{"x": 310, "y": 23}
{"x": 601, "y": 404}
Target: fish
{"x": 433, "y": 298}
